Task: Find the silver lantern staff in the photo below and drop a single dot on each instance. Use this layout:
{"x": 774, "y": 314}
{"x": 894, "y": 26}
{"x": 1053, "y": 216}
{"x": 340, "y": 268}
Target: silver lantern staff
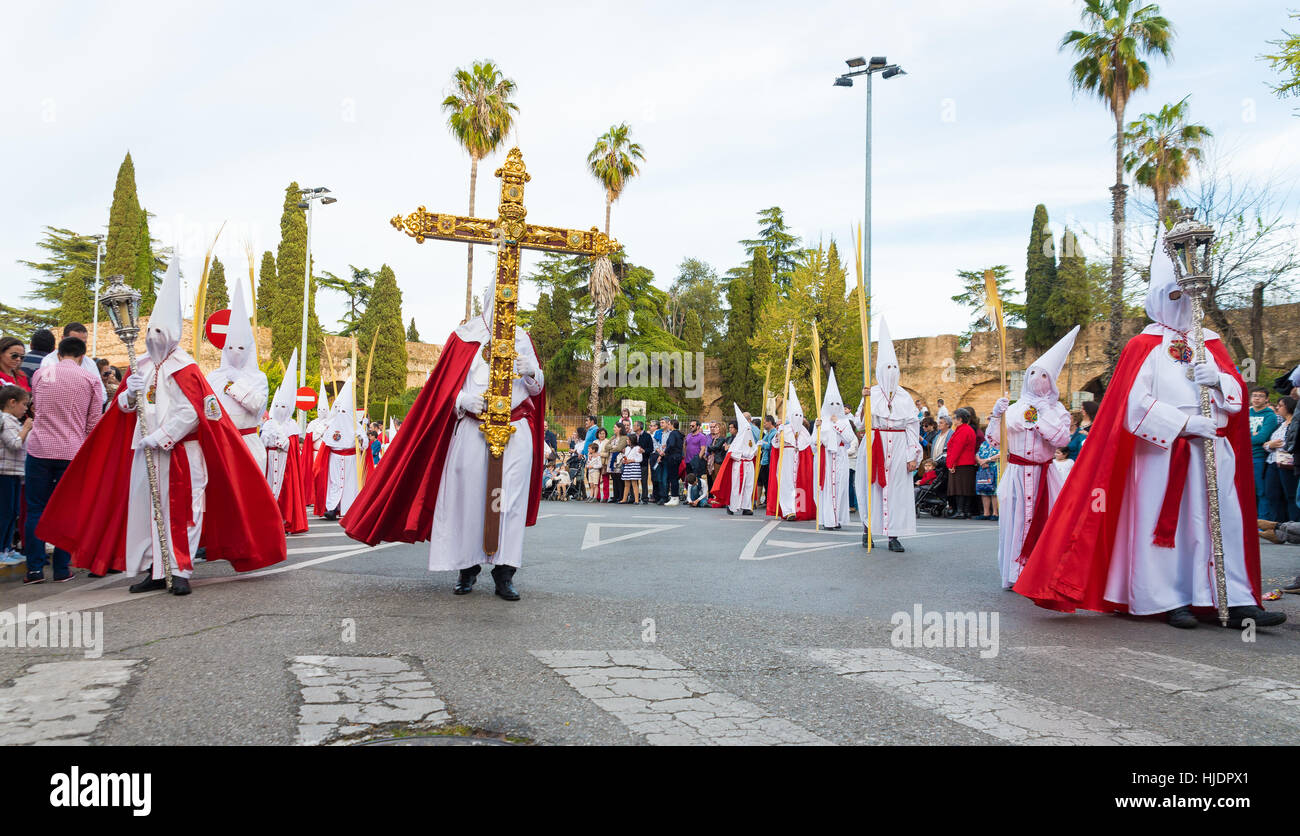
{"x": 1189, "y": 245}
{"x": 123, "y": 306}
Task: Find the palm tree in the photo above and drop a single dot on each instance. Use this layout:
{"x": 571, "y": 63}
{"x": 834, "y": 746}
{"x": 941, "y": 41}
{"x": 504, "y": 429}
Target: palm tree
{"x": 1110, "y": 66}
{"x": 1164, "y": 145}
{"x": 480, "y": 115}
{"x": 612, "y": 162}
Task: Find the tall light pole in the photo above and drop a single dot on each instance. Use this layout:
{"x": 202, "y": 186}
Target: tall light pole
{"x": 100, "y": 250}
{"x": 857, "y": 67}
{"x": 309, "y": 198}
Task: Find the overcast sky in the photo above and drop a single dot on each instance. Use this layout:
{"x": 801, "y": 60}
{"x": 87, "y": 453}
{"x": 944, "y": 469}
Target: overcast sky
{"x": 223, "y": 104}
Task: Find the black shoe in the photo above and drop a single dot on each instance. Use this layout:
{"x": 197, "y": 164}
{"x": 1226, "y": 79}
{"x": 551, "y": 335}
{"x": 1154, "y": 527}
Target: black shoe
{"x": 1293, "y": 587}
{"x": 148, "y": 584}
{"x": 866, "y": 538}
{"x": 465, "y": 583}
{"x": 1181, "y": 618}
{"x": 503, "y": 575}
{"x": 34, "y": 577}
{"x": 1262, "y": 617}
{"x": 180, "y": 586}
{"x": 894, "y": 545}
{"x": 748, "y": 513}
{"x": 331, "y": 515}
{"x": 731, "y": 513}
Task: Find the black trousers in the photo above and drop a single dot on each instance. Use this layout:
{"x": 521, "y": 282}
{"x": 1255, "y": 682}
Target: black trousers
{"x": 673, "y": 465}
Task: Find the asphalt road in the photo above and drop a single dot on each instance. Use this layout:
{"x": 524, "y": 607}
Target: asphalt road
{"x": 641, "y": 625}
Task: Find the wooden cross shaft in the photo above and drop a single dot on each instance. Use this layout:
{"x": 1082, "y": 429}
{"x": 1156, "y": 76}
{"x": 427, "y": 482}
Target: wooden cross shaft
{"x": 509, "y": 233}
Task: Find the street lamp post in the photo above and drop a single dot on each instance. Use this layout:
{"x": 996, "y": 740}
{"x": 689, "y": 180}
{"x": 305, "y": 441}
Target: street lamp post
{"x": 857, "y": 67}
{"x": 100, "y": 249}
{"x": 309, "y": 198}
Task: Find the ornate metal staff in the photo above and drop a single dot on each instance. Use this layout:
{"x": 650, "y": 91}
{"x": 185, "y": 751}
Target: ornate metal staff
{"x": 123, "y": 306}
{"x": 1188, "y": 245}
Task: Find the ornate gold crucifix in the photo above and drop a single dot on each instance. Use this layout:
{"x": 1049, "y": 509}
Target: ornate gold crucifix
{"x": 509, "y": 233}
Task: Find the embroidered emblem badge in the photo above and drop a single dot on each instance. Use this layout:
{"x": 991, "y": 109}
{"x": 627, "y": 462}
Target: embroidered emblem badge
{"x": 1031, "y": 415}
{"x": 211, "y": 409}
{"x": 338, "y": 436}
{"x": 1180, "y": 351}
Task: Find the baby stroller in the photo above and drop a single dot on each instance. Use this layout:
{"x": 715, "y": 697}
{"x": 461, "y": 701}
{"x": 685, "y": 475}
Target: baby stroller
{"x": 577, "y": 484}
{"x": 932, "y": 499}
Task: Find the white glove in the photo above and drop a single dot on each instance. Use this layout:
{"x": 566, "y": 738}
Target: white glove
{"x": 1198, "y": 426}
{"x": 467, "y": 402}
{"x": 135, "y": 384}
{"x": 1205, "y": 375}
{"x": 150, "y": 442}
{"x": 525, "y": 367}
{"x": 1000, "y": 407}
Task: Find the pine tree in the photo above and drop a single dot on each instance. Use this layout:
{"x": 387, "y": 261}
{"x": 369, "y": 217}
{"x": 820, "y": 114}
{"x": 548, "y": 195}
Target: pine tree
{"x": 125, "y": 218}
{"x": 290, "y": 261}
{"x": 1040, "y": 279}
{"x": 70, "y": 257}
{"x": 267, "y": 290}
{"x": 1071, "y": 302}
{"x": 412, "y": 335}
{"x": 218, "y": 297}
{"x": 388, "y": 368}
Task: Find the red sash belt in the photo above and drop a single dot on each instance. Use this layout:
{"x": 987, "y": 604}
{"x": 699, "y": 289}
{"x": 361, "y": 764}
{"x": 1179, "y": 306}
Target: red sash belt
{"x": 1039, "y": 522}
{"x": 351, "y": 451}
{"x": 249, "y": 431}
{"x": 878, "y": 456}
{"x": 1168, "y": 521}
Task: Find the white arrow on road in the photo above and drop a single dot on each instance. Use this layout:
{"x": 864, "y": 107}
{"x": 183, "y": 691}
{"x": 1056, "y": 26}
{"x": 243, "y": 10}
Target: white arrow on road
{"x": 591, "y": 539}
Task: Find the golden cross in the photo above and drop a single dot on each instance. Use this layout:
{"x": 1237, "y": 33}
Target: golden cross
{"x": 509, "y": 233}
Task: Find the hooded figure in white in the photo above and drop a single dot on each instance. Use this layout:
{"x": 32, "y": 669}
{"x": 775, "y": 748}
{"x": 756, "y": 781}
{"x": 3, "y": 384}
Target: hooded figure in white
{"x": 1037, "y": 425}
{"x": 792, "y": 439}
{"x": 240, "y": 386}
{"x": 316, "y": 427}
{"x": 835, "y": 433}
{"x": 895, "y": 446}
{"x": 279, "y": 428}
{"x": 1162, "y": 405}
{"x": 341, "y": 438}
{"x": 169, "y": 418}
{"x": 743, "y": 451}
{"x": 456, "y": 541}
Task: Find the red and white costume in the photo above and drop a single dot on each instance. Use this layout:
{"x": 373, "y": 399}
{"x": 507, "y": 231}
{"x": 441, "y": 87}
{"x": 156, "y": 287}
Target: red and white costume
{"x": 340, "y": 453}
{"x": 279, "y": 434}
{"x": 790, "y": 488}
{"x": 240, "y": 385}
{"x": 1037, "y": 425}
{"x": 895, "y": 442}
{"x": 734, "y": 486}
{"x": 836, "y": 438}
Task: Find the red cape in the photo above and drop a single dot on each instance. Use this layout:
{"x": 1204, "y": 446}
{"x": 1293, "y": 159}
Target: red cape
{"x": 320, "y": 479}
{"x": 88, "y": 511}
{"x": 720, "y": 492}
{"x": 306, "y": 460}
{"x": 293, "y": 502}
{"x": 1068, "y": 567}
{"x": 805, "y": 507}
{"x": 397, "y": 502}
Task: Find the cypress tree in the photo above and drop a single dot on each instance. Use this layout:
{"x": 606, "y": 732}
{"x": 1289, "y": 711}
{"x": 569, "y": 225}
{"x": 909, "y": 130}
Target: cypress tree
{"x": 124, "y": 225}
{"x": 145, "y": 277}
{"x": 761, "y": 288}
{"x": 1071, "y": 302}
{"x": 412, "y": 335}
{"x": 267, "y": 288}
{"x": 388, "y": 368}
{"x": 218, "y": 297}
{"x": 736, "y": 373}
{"x": 693, "y": 332}
{"x": 545, "y": 333}
{"x": 291, "y": 260}
{"x": 1040, "y": 278}
{"x": 76, "y": 305}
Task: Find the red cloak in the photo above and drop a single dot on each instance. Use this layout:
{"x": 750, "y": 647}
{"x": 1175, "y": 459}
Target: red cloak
{"x": 805, "y": 507}
{"x": 321, "y": 479}
{"x": 292, "y": 501}
{"x": 308, "y": 472}
{"x": 397, "y": 502}
{"x": 720, "y": 492}
{"x": 1068, "y": 567}
{"x": 88, "y": 511}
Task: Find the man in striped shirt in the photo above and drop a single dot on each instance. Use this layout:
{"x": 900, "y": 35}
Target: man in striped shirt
{"x": 67, "y": 402}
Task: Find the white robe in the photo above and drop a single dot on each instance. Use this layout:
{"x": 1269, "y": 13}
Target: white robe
{"x": 172, "y": 413}
{"x": 456, "y": 540}
{"x": 792, "y": 440}
{"x": 893, "y": 509}
{"x": 276, "y": 437}
{"x": 1018, "y": 487}
{"x": 1147, "y": 578}
{"x": 342, "y": 485}
{"x": 245, "y": 402}
{"x": 742, "y": 484}
{"x": 836, "y": 438}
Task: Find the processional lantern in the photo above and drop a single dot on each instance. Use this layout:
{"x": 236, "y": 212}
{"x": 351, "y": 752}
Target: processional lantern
{"x": 122, "y": 302}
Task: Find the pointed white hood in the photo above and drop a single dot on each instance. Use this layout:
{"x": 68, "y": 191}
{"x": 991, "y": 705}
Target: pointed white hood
{"x": 322, "y": 402}
{"x": 342, "y": 417}
{"x": 1171, "y": 313}
{"x": 887, "y": 373}
{"x": 240, "y": 350}
{"x": 490, "y": 303}
{"x": 165, "y": 321}
{"x": 743, "y": 444}
{"x": 1040, "y": 377}
{"x": 793, "y": 411}
{"x": 832, "y": 403}
{"x": 287, "y": 394}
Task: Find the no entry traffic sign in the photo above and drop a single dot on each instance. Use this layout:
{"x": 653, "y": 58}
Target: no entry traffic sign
{"x": 306, "y": 399}
{"x": 216, "y": 327}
